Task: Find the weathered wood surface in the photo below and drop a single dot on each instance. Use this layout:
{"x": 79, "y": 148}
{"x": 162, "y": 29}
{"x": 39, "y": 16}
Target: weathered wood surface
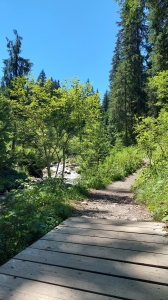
{"x": 124, "y": 223}
{"x": 108, "y": 242}
{"x": 86, "y": 259}
{"x": 159, "y": 239}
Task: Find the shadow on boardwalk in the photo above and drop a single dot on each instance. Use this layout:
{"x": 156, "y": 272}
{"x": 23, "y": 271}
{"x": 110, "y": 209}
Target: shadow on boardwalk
{"x": 91, "y": 259}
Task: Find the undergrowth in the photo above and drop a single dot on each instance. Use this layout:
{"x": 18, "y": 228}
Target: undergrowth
{"x": 151, "y": 188}
{"x": 120, "y": 163}
{"x": 29, "y": 213}
{"x": 10, "y": 179}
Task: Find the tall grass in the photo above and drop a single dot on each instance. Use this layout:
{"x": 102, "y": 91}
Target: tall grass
{"x": 151, "y": 188}
{"x": 120, "y": 163}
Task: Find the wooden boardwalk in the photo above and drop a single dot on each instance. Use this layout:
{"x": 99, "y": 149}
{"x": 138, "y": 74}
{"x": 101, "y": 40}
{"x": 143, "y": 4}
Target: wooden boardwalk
{"x": 91, "y": 259}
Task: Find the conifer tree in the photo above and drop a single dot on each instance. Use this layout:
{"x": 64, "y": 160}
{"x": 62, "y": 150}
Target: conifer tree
{"x": 42, "y": 78}
{"x": 127, "y": 77}
{"x": 104, "y": 111}
{"x": 158, "y": 38}
{"x": 15, "y": 65}
{"x": 158, "y": 35}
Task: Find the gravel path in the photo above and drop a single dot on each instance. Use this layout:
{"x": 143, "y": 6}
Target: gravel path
{"x": 114, "y": 202}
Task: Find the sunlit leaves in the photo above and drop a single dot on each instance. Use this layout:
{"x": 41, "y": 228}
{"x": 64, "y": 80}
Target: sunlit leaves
{"x": 53, "y": 119}
{"x": 159, "y": 85}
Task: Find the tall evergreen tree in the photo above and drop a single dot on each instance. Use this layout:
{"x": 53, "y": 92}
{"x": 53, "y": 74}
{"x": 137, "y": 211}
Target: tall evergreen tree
{"x": 127, "y": 89}
{"x": 42, "y": 78}
{"x": 54, "y": 86}
{"x": 105, "y": 102}
{"x": 158, "y": 35}
{"x": 158, "y": 38}
{"x": 116, "y": 56}
{"x": 104, "y": 110}
{"x": 15, "y": 65}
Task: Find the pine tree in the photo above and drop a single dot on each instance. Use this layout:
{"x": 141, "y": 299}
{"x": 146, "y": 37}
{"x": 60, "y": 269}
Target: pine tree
{"x": 42, "y": 78}
{"x": 54, "y": 86}
{"x": 116, "y": 56}
{"x": 158, "y": 38}
{"x": 158, "y": 35}
{"x": 105, "y": 102}
{"x": 127, "y": 89}
{"x": 15, "y": 65}
{"x": 104, "y": 111}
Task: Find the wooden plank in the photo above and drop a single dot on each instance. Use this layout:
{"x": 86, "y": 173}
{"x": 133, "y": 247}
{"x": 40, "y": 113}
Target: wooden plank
{"x": 125, "y": 223}
{"x": 145, "y": 230}
{"x": 109, "y": 234}
{"x": 108, "y": 242}
{"x": 99, "y": 284}
{"x": 21, "y": 268}
{"x": 13, "y": 288}
{"x": 154, "y": 259}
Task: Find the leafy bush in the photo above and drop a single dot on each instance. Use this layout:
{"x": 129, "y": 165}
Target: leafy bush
{"x": 151, "y": 186}
{"x": 120, "y": 163}
{"x": 29, "y": 161}
{"x": 27, "y": 214}
{"x": 10, "y": 179}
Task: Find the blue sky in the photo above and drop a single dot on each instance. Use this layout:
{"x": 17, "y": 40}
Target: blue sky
{"x": 66, "y": 38}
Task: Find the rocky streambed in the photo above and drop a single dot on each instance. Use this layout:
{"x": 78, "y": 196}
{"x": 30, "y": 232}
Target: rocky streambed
{"x": 70, "y": 173}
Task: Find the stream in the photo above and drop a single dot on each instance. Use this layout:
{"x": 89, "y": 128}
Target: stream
{"x": 70, "y": 173}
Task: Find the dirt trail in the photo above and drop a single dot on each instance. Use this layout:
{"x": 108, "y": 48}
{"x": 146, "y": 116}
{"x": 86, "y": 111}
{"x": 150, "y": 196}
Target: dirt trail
{"x": 114, "y": 202}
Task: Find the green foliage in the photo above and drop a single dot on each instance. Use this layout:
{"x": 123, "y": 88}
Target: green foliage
{"x": 152, "y": 136}
{"x": 43, "y": 113}
{"x": 10, "y": 179}
{"x": 151, "y": 186}
{"x": 127, "y": 76}
{"x": 120, "y": 163}
{"x": 28, "y": 161}
{"x": 27, "y": 214}
{"x": 15, "y": 65}
{"x": 158, "y": 87}
{"x": 5, "y": 131}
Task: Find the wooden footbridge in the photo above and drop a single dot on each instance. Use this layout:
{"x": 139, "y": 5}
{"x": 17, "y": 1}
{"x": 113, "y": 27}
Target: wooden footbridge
{"x": 91, "y": 259}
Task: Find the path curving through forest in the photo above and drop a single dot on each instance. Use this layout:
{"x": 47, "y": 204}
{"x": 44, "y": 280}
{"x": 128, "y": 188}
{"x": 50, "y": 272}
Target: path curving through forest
{"x": 115, "y": 202}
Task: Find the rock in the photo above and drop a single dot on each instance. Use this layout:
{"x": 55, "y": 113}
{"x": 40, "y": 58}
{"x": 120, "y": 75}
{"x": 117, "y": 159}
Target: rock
{"x": 67, "y": 171}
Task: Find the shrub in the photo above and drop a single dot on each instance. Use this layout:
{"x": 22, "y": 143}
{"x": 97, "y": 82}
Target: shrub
{"x": 27, "y": 214}
{"x": 10, "y": 179}
{"x": 120, "y": 163}
{"x": 151, "y": 188}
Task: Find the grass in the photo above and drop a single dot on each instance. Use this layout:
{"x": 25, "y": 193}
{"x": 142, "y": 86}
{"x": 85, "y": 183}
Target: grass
{"x": 151, "y": 188}
{"x": 119, "y": 164}
{"x": 29, "y": 213}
